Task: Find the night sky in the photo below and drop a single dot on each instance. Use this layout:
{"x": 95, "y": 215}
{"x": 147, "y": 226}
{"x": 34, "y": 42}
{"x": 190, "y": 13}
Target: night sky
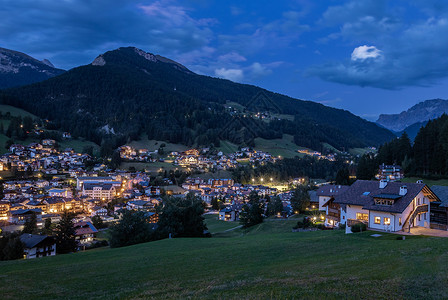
{"x": 366, "y": 56}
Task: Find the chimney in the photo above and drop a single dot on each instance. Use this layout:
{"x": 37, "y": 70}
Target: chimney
{"x": 383, "y": 183}
{"x": 403, "y": 190}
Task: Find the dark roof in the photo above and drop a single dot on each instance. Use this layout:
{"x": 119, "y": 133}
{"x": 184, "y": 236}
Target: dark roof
{"x": 313, "y": 196}
{"x": 26, "y": 211}
{"x": 442, "y": 193}
{"x": 356, "y": 195}
{"x": 84, "y": 228}
{"x": 331, "y": 190}
{"x": 387, "y": 196}
{"x": 32, "y": 240}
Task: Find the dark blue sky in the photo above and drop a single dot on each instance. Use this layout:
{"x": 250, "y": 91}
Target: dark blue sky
{"x": 367, "y": 56}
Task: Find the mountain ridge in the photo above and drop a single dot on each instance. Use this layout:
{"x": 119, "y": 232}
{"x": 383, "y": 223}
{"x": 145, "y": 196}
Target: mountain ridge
{"x": 135, "y": 92}
{"x": 419, "y": 113}
{"x": 17, "y": 68}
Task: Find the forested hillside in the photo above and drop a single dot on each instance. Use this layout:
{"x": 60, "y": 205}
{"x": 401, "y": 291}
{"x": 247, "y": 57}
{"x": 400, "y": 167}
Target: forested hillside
{"x": 428, "y": 156}
{"x": 127, "y": 92}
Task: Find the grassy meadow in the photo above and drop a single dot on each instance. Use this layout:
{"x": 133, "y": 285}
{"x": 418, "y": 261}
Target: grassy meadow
{"x": 266, "y": 262}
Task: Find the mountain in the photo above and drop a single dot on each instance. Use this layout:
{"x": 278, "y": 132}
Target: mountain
{"x": 127, "y": 92}
{"x": 419, "y": 113}
{"x": 413, "y": 130}
{"x": 18, "y": 69}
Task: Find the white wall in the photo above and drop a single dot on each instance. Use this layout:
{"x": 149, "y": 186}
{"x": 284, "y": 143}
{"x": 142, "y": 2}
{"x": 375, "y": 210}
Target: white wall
{"x": 322, "y": 201}
{"x": 382, "y": 226}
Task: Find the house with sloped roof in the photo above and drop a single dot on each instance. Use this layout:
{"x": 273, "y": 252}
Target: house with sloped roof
{"x": 387, "y": 206}
{"x": 38, "y": 245}
{"x": 439, "y": 209}
{"x": 85, "y": 232}
{"x": 327, "y": 192}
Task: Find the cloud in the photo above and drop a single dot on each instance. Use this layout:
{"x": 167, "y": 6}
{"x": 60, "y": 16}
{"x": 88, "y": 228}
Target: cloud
{"x": 413, "y": 52}
{"x": 231, "y": 74}
{"x": 74, "y": 32}
{"x": 231, "y": 57}
{"x": 365, "y": 52}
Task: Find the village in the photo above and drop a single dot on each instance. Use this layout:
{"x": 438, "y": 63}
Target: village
{"x": 47, "y": 182}
{"x": 55, "y": 182}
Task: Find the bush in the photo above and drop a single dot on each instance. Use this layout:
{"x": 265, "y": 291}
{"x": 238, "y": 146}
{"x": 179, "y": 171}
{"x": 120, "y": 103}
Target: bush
{"x": 342, "y": 226}
{"x": 359, "y": 227}
{"x": 306, "y": 223}
{"x": 321, "y": 226}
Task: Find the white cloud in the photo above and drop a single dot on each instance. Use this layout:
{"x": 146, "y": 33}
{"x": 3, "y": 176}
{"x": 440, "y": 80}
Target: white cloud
{"x": 259, "y": 70}
{"x": 231, "y": 74}
{"x": 365, "y": 52}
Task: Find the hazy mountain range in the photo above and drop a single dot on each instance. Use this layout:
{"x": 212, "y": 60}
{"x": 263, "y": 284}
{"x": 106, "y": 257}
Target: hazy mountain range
{"x": 18, "y": 69}
{"x": 416, "y": 116}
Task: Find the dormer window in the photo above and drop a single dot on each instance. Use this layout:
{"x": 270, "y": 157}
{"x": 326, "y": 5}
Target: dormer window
{"x": 384, "y": 202}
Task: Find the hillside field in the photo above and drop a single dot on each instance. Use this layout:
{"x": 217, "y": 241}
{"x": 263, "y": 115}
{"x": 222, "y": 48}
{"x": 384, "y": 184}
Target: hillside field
{"x": 268, "y": 261}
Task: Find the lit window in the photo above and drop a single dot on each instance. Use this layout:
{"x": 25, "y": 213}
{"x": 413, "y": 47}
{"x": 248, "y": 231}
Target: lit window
{"x": 399, "y": 221}
{"x": 377, "y": 220}
{"x": 362, "y": 217}
{"x": 386, "y": 221}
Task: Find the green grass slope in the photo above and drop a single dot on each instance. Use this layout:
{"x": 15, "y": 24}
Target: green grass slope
{"x": 268, "y": 261}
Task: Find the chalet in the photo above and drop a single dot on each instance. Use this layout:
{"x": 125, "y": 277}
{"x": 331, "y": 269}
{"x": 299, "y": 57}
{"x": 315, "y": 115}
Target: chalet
{"x": 327, "y": 192}
{"x": 54, "y": 204}
{"x": 439, "y": 209}
{"x": 20, "y": 216}
{"x": 388, "y": 206}
{"x": 64, "y": 193}
{"x": 38, "y": 245}
{"x": 103, "y": 191}
{"x": 228, "y": 214}
{"x": 390, "y": 173}
{"x": 85, "y": 232}
{"x": 139, "y": 205}
{"x": 99, "y": 211}
{"x": 4, "y": 209}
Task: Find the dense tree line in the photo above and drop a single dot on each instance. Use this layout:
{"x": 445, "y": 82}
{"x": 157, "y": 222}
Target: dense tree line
{"x": 288, "y": 168}
{"x": 428, "y": 156}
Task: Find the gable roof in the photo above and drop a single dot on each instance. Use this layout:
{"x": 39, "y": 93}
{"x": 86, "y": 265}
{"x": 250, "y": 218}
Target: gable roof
{"x": 363, "y": 193}
{"x": 84, "y": 228}
{"x": 331, "y": 190}
{"x": 32, "y": 240}
{"x": 442, "y": 194}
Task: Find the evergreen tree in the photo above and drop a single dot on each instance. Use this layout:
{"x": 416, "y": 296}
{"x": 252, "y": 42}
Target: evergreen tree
{"x": 48, "y": 230}
{"x": 252, "y": 212}
{"x": 65, "y": 234}
{"x": 133, "y": 228}
{"x": 215, "y": 203}
{"x": 30, "y": 225}
{"x": 11, "y": 247}
{"x": 343, "y": 176}
{"x": 300, "y": 199}
{"x": 97, "y": 222}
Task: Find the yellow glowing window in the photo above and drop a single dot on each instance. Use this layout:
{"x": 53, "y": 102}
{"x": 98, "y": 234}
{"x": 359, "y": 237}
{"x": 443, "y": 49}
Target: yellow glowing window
{"x": 362, "y": 217}
{"x": 377, "y": 220}
{"x": 386, "y": 221}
